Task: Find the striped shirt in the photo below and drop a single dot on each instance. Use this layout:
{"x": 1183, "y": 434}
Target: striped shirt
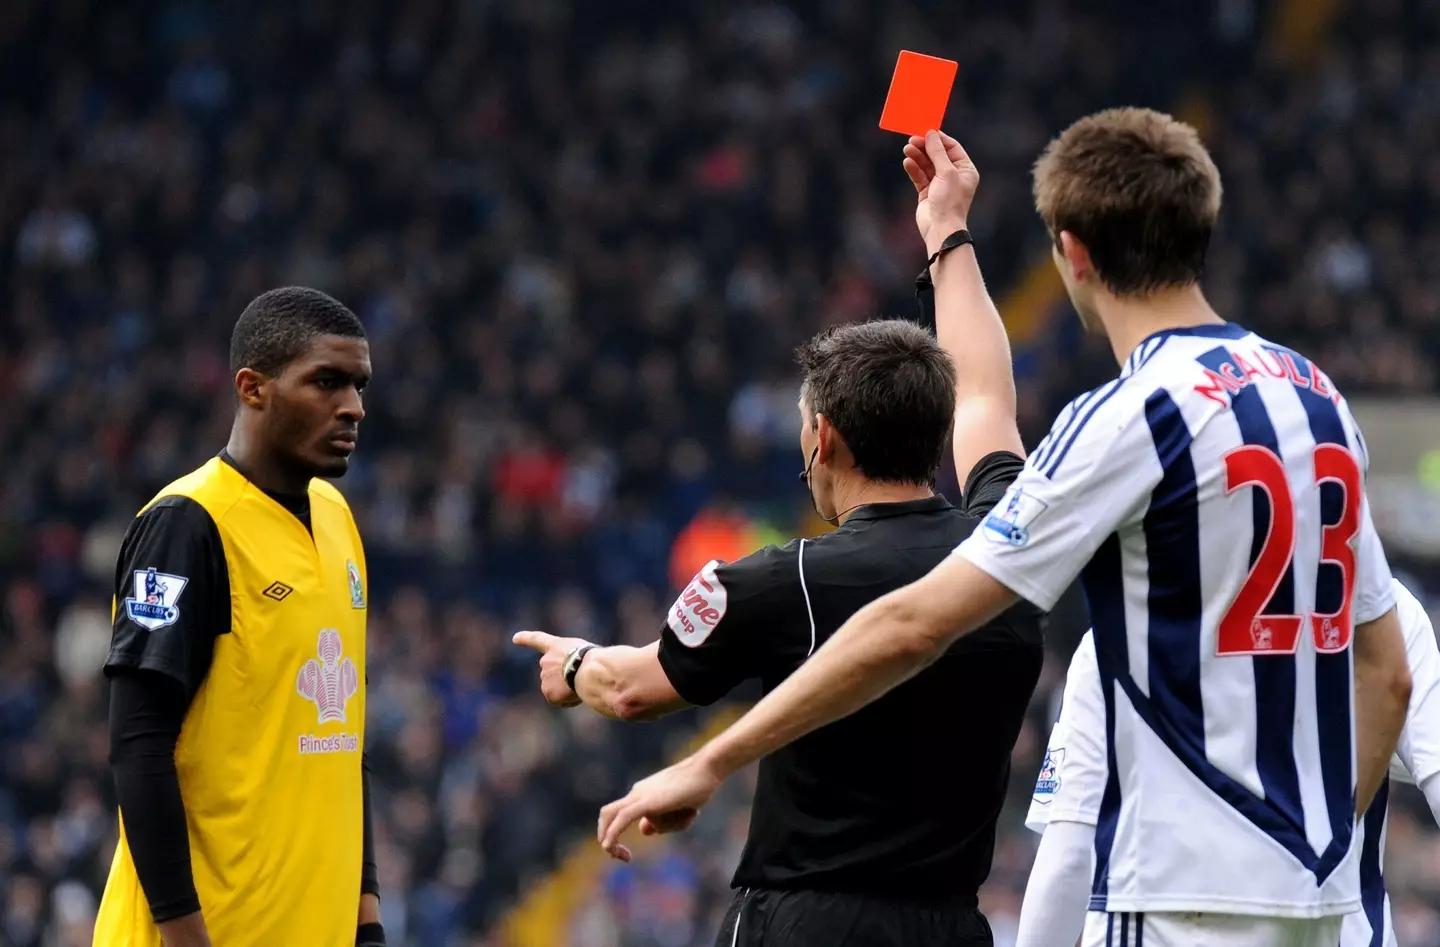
{"x": 1211, "y": 499}
{"x": 1072, "y": 777}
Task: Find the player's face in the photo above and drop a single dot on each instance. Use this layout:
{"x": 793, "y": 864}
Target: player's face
{"x": 315, "y": 409}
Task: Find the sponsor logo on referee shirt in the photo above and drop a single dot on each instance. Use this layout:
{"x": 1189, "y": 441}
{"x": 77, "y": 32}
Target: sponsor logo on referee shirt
{"x": 154, "y": 605}
{"x": 699, "y": 608}
{"x": 1009, "y": 522}
{"x": 1048, "y": 782}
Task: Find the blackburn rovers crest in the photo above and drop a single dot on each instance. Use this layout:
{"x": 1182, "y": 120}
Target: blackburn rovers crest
{"x": 357, "y": 587}
{"x": 329, "y": 680}
{"x": 153, "y": 606}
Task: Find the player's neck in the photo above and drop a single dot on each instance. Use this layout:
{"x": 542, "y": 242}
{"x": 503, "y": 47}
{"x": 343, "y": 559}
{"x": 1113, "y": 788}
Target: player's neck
{"x": 1130, "y": 320}
{"x": 852, "y": 494}
{"x": 263, "y": 469}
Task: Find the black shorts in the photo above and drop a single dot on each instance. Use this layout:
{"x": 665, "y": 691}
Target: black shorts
{"x": 760, "y": 917}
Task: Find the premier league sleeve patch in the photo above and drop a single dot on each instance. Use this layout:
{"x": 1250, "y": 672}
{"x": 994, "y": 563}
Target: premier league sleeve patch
{"x": 153, "y": 605}
{"x": 1048, "y": 782}
{"x": 1009, "y": 522}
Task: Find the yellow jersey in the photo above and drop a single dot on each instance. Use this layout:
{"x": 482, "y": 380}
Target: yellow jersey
{"x": 225, "y": 589}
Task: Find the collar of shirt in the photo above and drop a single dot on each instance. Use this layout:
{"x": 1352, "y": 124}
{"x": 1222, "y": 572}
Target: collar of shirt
{"x": 880, "y": 511}
{"x": 297, "y": 503}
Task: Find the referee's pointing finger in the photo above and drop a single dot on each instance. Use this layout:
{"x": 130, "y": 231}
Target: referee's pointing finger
{"x": 538, "y": 640}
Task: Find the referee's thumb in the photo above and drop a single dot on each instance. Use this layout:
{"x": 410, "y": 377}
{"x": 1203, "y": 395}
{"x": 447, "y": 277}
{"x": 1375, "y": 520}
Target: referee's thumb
{"x": 533, "y": 639}
{"x": 935, "y": 148}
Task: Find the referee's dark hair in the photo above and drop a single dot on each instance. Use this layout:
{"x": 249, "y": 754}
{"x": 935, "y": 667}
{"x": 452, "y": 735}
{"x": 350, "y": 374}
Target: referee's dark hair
{"x": 889, "y": 389}
{"x": 279, "y": 325}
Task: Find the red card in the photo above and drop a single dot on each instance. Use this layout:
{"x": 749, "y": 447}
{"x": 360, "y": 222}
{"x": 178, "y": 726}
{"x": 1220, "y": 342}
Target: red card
{"x": 919, "y": 93}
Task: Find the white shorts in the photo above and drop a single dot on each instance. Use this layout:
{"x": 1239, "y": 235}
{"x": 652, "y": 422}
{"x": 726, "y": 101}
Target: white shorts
{"x": 1193, "y": 929}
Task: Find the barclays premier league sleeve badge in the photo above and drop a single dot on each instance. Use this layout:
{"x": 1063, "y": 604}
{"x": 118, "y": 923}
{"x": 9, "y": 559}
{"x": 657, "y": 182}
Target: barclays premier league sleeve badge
{"x": 153, "y": 605}
{"x": 1048, "y": 782}
{"x": 1009, "y": 522}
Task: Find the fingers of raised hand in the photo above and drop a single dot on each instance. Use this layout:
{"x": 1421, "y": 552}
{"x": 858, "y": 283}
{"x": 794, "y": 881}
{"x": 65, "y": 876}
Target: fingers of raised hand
{"x": 917, "y": 175}
{"x": 955, "y": 151}
{"x": 920, "y": 157}
{"x": 936, "y": 149}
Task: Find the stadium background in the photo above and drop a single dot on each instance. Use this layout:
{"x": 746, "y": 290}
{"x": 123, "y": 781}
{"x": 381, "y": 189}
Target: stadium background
{"x": 584, "y": 238}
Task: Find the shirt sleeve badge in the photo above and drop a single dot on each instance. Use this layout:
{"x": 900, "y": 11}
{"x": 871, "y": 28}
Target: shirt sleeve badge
{"x": 154, "y": 604}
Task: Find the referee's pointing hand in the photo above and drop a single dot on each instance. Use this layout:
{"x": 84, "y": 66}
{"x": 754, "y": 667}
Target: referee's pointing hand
{"x": 669, "y": 801}
{"x": 553, "y": 652}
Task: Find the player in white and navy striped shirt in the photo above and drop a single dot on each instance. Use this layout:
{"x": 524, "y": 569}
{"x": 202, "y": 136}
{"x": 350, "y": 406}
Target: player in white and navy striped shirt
{"x": 1071, "y": 784}
{"x": 1212, "y": 500}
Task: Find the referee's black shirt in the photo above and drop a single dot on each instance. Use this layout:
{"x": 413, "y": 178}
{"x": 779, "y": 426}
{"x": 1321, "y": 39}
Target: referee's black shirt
{"x": 901, "y": 798}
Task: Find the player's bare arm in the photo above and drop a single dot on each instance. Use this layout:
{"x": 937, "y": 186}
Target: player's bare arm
{"x": 967, "y": 323}
{"x": 1382, "y": 695}
{"x": 620, "y": 682}
{"x": 882, "y": 645}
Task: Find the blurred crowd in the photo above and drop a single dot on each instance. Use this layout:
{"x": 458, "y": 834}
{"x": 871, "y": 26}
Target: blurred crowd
{"x": 583, "y": 239}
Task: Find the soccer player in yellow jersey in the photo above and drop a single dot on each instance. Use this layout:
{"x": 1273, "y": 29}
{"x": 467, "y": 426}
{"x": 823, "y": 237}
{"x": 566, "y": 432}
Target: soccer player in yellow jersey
{"x": 237, "y": 716}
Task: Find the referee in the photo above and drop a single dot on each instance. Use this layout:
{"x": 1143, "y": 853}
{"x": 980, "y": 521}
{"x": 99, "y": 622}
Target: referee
{"x": 880, "y": 828}
{"x": 237, "y": 708}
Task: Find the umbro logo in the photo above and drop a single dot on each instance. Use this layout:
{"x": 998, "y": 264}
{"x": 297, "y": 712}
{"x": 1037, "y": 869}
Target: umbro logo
{"x": 278, "y": 591}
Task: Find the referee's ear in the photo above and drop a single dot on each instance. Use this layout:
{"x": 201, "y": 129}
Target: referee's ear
{"x": 827, "y": 438}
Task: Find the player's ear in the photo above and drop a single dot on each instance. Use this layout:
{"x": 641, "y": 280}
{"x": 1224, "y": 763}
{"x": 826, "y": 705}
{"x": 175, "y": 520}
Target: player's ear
{"x": 248, "y": 385}
{"x": 1076, "y": 256}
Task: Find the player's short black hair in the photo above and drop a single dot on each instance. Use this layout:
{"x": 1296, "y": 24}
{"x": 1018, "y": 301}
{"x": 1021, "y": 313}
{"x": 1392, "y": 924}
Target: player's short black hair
{"x": 279, "y": 325}
{"x": 889, "y": 389}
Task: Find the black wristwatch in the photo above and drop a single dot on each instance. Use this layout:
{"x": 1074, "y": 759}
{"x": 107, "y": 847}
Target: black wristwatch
{"x": 572, "y": 663}
{"x": 957, "y": 239}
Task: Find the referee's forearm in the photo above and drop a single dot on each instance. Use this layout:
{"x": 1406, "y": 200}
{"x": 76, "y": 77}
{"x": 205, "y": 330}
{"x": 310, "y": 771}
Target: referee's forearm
{"x": 969, "y": 328}
{"x": 881, "y": 646}
{"x": 626, "y": 683}
{"x": 598, "y": 685}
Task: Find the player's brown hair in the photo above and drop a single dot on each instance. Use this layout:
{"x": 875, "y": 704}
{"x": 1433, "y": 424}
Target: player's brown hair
{"x": 1139, "y": 190}
{"x": 889, "y": 389}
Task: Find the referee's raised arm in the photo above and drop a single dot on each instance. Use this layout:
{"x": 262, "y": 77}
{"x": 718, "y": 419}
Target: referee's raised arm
{"x": 967, "y": 323}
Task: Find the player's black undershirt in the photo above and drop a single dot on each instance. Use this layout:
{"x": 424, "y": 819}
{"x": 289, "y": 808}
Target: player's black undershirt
{"x": 153, "y": 682}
